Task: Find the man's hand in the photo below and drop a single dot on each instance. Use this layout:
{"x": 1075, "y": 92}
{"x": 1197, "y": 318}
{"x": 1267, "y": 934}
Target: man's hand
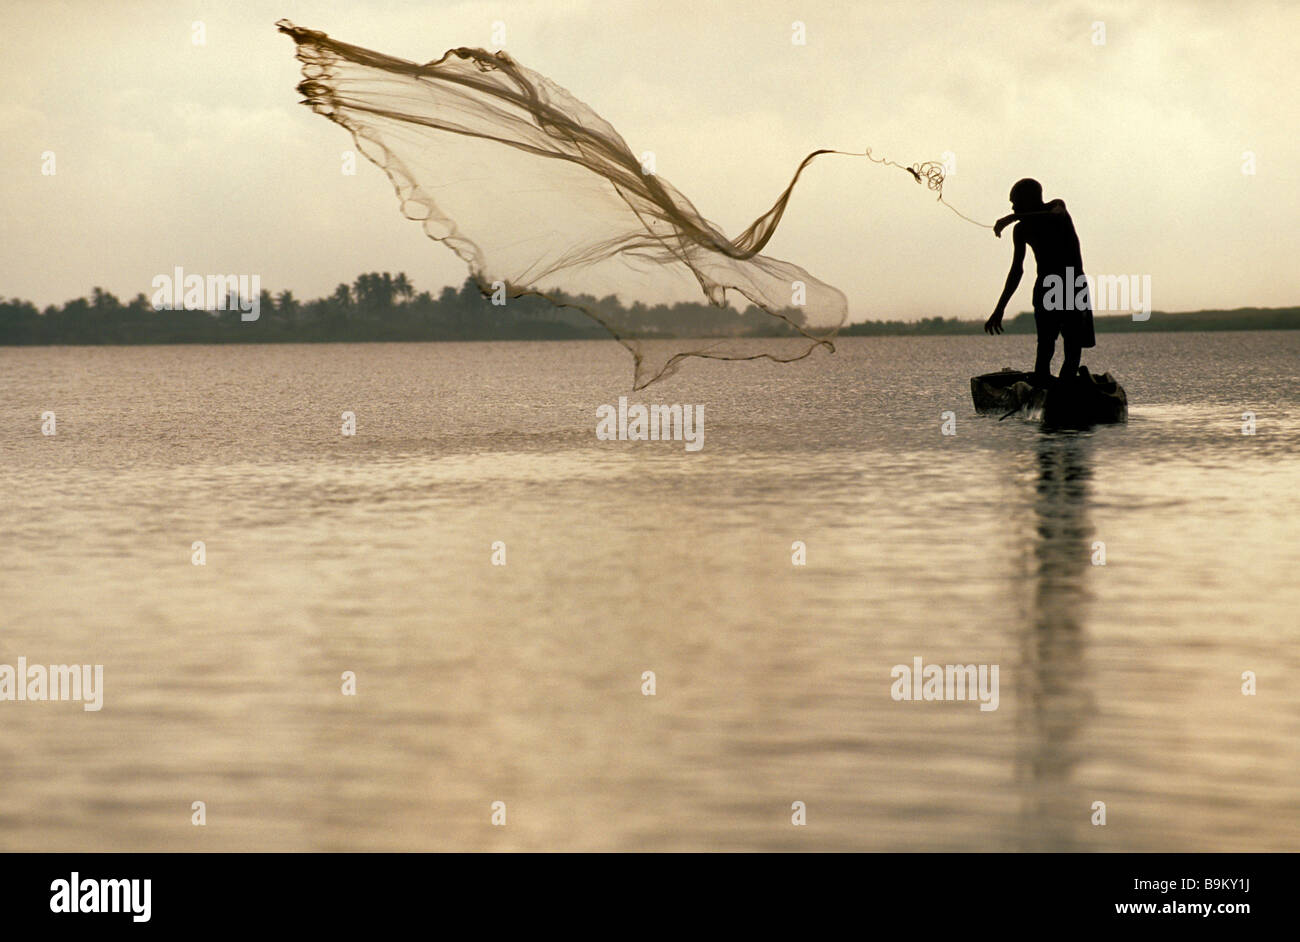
{"x": 994, "y": 324}
{"x": 1002, "y": 224}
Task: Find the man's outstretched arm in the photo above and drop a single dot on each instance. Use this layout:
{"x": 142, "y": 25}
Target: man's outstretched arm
{"x": 994, "y": 324}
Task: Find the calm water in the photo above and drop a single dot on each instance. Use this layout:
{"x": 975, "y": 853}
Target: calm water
{"x": 522, "y": 683}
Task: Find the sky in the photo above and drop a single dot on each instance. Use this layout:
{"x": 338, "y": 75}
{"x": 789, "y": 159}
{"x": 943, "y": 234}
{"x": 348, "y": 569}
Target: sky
{"x": 1173, "y": 142}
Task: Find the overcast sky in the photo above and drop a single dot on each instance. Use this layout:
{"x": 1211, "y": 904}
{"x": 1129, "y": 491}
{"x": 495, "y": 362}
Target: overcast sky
{"x": 169, "y": 153}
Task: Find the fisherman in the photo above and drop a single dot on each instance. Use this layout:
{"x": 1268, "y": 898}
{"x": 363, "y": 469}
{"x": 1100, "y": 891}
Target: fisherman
{"x": 1049, "y": 230}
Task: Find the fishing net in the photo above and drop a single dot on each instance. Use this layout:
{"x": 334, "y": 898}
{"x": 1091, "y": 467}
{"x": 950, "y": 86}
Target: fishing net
{"x": 539, "y": 195}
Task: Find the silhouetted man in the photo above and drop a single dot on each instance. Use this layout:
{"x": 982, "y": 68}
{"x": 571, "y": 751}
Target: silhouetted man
{"x": 1061, "y": 301}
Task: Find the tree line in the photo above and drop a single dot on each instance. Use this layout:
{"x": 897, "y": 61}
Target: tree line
{"x": 1246, "y": 318}
{"x": 376, "y": 306}
{"x": 381, "y": 306}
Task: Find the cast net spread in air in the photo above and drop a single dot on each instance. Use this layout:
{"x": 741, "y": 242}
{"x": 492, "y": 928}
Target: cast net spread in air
{"x": 540, "y": 195}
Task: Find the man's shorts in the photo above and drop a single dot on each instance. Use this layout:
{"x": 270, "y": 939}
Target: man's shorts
{"x": 1074, "y": 324}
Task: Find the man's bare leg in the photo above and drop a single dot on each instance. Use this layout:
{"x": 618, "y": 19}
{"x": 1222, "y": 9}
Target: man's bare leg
{"x": 1043, "y": 361}
{"x": 1070, "y": 366}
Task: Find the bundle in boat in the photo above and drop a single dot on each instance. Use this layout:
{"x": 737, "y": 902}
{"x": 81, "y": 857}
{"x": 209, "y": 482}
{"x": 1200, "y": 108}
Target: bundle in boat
{"x": 1088, "y": 400}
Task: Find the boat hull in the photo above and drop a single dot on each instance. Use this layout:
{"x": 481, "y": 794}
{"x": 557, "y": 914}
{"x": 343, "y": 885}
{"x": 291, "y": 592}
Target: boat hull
{"x": 1089, "y": 400}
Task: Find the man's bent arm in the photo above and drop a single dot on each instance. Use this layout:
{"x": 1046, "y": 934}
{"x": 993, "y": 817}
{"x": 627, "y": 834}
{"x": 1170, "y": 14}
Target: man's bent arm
{"x": 1055, "y": 206}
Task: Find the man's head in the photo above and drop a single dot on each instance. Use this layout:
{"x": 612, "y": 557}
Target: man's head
{"x": 1026, "y": 196}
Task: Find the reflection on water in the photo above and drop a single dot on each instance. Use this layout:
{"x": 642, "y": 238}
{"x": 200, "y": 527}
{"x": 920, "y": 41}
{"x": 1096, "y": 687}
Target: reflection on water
{"x": 1055, "y": 693}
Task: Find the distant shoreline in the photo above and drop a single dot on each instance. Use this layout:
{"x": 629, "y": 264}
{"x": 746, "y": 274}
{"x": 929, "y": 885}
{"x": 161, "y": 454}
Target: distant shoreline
{"x": 1246, "y": 318}
{"x": 593, "y": 337}
{"x": 381, "y": 308}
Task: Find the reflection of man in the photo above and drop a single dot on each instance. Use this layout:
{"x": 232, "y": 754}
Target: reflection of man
{"x": 1048, "y": 229}
{"x": 1059, "y": 689}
